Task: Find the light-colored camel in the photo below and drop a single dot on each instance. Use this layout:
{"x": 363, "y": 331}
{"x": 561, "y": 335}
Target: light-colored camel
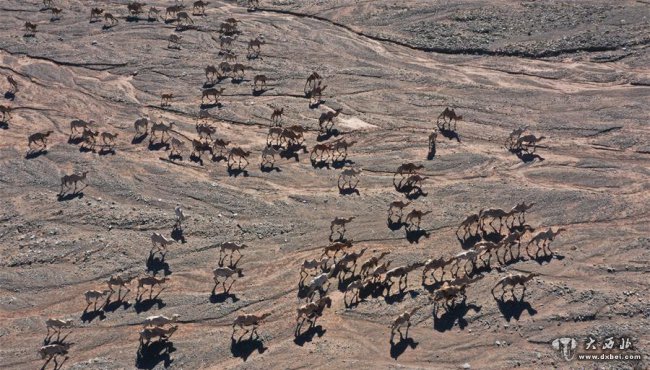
{"x": 493, "y": 214}
{"x": 451, "y": 115}
{"x": 108, "y": 138}
{"x": 222, "y": 274}
{"x": 93, "y": 296}
{"x": 313, "y": 264}
{"x": 135, "y": 8}
{"x": 229, "y": 249}
{"x": 55, "y": 325}
{"x": 467, "y": 223}
{"x": 255, "y": 45}
{"x": 449, "y": 292}
{"x": 414, "y": 181}
{"x": 150, "y": 281}
{"x": 154, "y": 13}
{"x": 239, "y": 153}
{"x": 221, "y": 145}
{"x": 519, "y": 211}
{"x": 314, "y": 309}
{"x": 274, "y": 137}
{"x": 354, "y": 288}
{"x": 253, "y": 4}
{"x": 344, "y": 262}
{"x": 290, "y": 138}
{"x": 401, "y": 320}
{"x": 318, "y": 283}
{"x": 244, "y": 320}
{"x": 529, "y": 140}
{"x": 120, "y": 281}
{"x": 162, "y": 128}
{"x": 545, "y": 238}
{"x": 95, "y": 13}
{"x": 268, "y": 156}
{"x": 215, "y": 93}
{"x": 238, "y": 71}
{"x": 180, "y": 217}
{"x": 39, "y": 136}
{"x": 89, "y": 138}
{"x": 73, "y": 179}
{"x": 176, "y": 146}
{"x": 414, "y": 218}
{"x": 316, "y": 94}
{"x": 225, "y": 42}
{"x": 147, "y": 334}
{"x": 52, "y": 350}
{"x": 341, "y": 146}
{"x": 160, "y": 320}
{"x": 205, "y": 130}
{"x": 347, "y": 176}
{"x": 261, "y": 79}
{"x": 199, "y": 147}
{"x": 432, "y": 265}
{"x": 183, "y": 17}
{"x": 371, "y": 263}
{"x": 340, "y": 224}
{"x": 166, "y": 99}
{"x": 159, "y": 242}
{"x": 173, "y": 10}
{"x": 399, "y": 206}
{"x": 464, "y": 258}
{"x": 511, "y": 281}
{"x": 508, "y": 243}
{"x": 401, "y": 273}
{"x": 108, "y": 17}
{"x": 484, "y": 248}
{"x": 336, "y": 247}
{"x": 211, "y": 72}
{"x": 174, "y": 41}
{"x": 200, "y": 5}
{"x": 312, "y": 81}
{"x": 408, "y": 168}
{"x": 13, "y": 83}
{"x": 327, "y": 118}
{"x": 141, "y": 125}
{"x": 47, "y": 3}
{"x": 514, "y": 136}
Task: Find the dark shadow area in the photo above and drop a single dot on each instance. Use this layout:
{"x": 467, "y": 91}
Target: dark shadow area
{"x": 324, "y": 136}
{"x": 526, "y": 156}
{"x": 259, "y": 92}
{"x": 414, "y": 236}
{"x": 338, "y": 164}
{"x": 432, "y": 287}
{"x": 222, "y": 297}
{"x": 75, "y": 140}
{"x": 10, "y": 95}
{"x": 349, "y": 191}
{"x": 395, "y": 225}
{"x": 86, "y": 149}
{"x": 177, "y": 235}
{"x": 235, "y": 172}
{"x": 307, "y": 336}
{"x": 157, "y": 146}
{"x": 147, "y": 304}
{"x": 156, "y": 263}
{"x": 397, "y": 349}
{"x": 174, "y": 157}
{"x": 69, "y": 196}
{"x": 196, "y": 159}
{"x": 210, "y": 105}
{"x": 469, "y": 241}
{"x": 493, "y": 237}
{"x": 244, "y": 348}
{"x": 432, "y": 153}
{"x": 106, "y": 151}
{"x": 35, "y": 153}
{"x": 107, "y": 27}
{"x": 450, "y": 134}
{"x": 112, "y": 306}
{"x": 89, "y": 316}
{"x": 151, "y": 355}
{"x": 452, "y": 315}
{"x": 139, "y": 139}
{"x": 132, "y": 18}
{"x": 4, "y": 125}
{"x": 513, "y": 308}
{"x": 372, "y": 289}
{"x": 546, "y": 258}
{"x": 320, "y": 164}
{"x": 269, "y": 169}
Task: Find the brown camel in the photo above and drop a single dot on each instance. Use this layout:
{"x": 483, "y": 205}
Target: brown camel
{"x": 511, "y": 281}
{"x": 415, "y": 215}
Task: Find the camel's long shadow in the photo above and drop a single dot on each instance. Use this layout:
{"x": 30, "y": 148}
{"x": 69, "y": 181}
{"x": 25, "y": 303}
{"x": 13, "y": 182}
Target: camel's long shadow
{"x": 156, "y": 263}
{"x": 349, "y": 191}
{"x": 432, "y": 153}
{"x": 269, "y": 169}
{"x": 75, "y": 140}
{"x": 414, "y": 236}
{"x": 469, "y": 241}
{"x": 222, "y": 297}
{"x": 177, "y": 234}
{"x": 132, "y": 18}
{"x": 211, "y": 105}
{"x": 147, "y": 304}
{"x": 89, "y": 316}
{"x": 395, "y": 225}
{"x": 112, "y": 306}
{"x": 372, "y": 289}
{"x": 157, "y": 146}
{"x": 106, "y": 151}
{"x": 235, "y": 172}
{"x": 69, "y": 196}
{"x": 493, "y": 237}
{"x": 139, "y": 139}
{"x": 513, "y": 308}
{"x": 452, "y": 315}
{"x": 328, "y": 135}
{"x": 399, "y": 296}
{"x": 58, "y": 340}
{"x": 244, "y": 348}
{"x": 546, "y": 258}
{"x": 320, "y": 164}
{"x": 4, "y": 125}
{"x": 526, "y": 156}
{"x": 309, "y": 334}
{"x": 397, "y": 349}
{"x": 450, "y": 134}
{"x": 10, "y": 95}
{"x": 35, "y": 153}
{"x": 150, "y": 356}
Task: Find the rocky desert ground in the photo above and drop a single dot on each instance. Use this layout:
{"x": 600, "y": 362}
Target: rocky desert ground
{"x": 575, "y": 72}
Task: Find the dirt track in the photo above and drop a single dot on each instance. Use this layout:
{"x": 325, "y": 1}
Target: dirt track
{"x": 588, "y": 97}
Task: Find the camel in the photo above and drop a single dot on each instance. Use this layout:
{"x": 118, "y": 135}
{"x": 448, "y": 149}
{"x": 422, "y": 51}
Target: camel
{"x": 401, "y": 273}
{"x": 313, "y": 310}
{"x": 466, "y": 225}
{"x": 110, "y": 17}
{"x": 89, "y": 138}
{"x": 485, "y": 248}
{"x": 347, "y": 176}
{"x": 449, "y": 292}
{"x": 511, "y": 281}
{"x": 340, "y": 224}
{"x": 173, "y": 10}
{"x": 432, "y": 140}
{"x": 507, "y": 243}
{"x": 268, "y": 156}
{"x": 229, "y": 248}
{"x": 255, "y": 45}
{"x": 311, "y": 82}
{"x": 176, "y": 146}
{"x": 160, "y": 242}
{"x": 432, "y": 265}
{"x": 204, "y": 115}
{"x": 147, "y": 334}
{"x": 199, "y": 5}
{"x": 528, "y": 141}
{"x": 494, "y": 214}
{"x": 261, "y": 79}
{"x": 159, "y": 321}
{"x": 408, "y": 168}
{"x": 399, "y": 206}
{"x": 354, "y": 288}
{"x": 415, "y": 215}
{"x": 79, "y": 124}
{"x": 448, "y": 114}
{"x": 55, "y": 325}
{"x": 211, "y": 70}
{"x": 51, "y": 351}
{"x": 121, "y": 281}
{"x": 318, "y": 282}
{"x": 56, "y": 13}
{"x": 466, "y": 257}
{"x": 216, "y": 93}
{"x": 401, "y": 320}
{"x": 140, "y": 124}
{"x": 316, "y": 94}
{"x": 166, "y": 99}
{"x": 230, "y": 56}
{"x": 291, "y": 137}
{"x": 520, "y": 210}
{"x": 151, "y": 281}
{"x": 324, "y": 149}
{"x": 108, "y": 138}
{"x": 371, "y": 263}
{"x": 341, "y": 146}
{"x": 543, "y": 237}
{"x": 92, "y": 296}
{"x": 238, "y": 70}
{"x": 244, "y": 320}
{"x": 183, "y": 17}
{"x": 342, "y": 264}
{"x": 336, "y": 247}
{"x": 154, "y": 13}
{"x": 253, "y": 4}
{"x": 313, "y": 264}
{"x": 6, "y": 112}
{"x": 225, "y": 42}
{"x": 30, "y": 28}
{"x": 73, "y": 179}
{"x": 276, "y": 116}
{"x": 135, "y": 8}
{"x": 174, "y": 41}
{"x": 224, "y": 69}
{"x": 95, "y": 13}
{"x": 162, "y": 128}
{"x": 514, "y": 136}
{"x": 39, "y": 136}
{"x": 379, "y": 270}
{"x": 414, "y": 181}
{"x": 13, "y": 83}
{"x": 225, "y": 273}
{"x": 180, "y": 217}
{"x": 327, "y": 118}
{"x": 221, "y": 145}
{"x": 238, "y": 152}
{"x": 228, "y": 28}
{"x": 47, "y": 4}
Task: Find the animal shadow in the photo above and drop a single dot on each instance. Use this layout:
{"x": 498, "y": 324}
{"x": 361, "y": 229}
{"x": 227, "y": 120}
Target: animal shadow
{"x": 432, "y": 153}
{"x": 139, "y": 139}
{"x": 112, "y": 306}
{"x": 259, "y": 92}
{"x": 450, "y": 134}
{"x": 211, "y": 105}
{"x": 69, "y": 196}
{"x": 10, "y": 95}
{"x": 75, "y": 140}
{"x": 132, "y": 18}
{"x": 149, "y": 356}
{"x": 397, "y": 349}
{"x": 349, "y": 191}
{"x": 309, "y": 334}
{"x": 196, "y": 159}
{"x": 235, "y": 172}
{"x": 89, "y": 316}
{"x": 395, "y": 225}
{"x": 4, "y": 125}
{"x": 399, "y": 296}
{"x": 244, "y": 348}
{"x": 35, "y": 153}
{"x": 157, "y": 146}
{"x": 177, "y": 234}
{"x": 513, "y": 308}
{"x": 414, "y": 236}
{"x": 469, "y": 241}
{"x": 106, "y": 151}
{"x": 222, "y": 297}
{"x": 493, "y": 237}
{"x": 452, "y": 315}
{"x": 546, "y": 258}
{"x": 269, "y": 169}
{"x": 328, "y": 135}
{"x": 147, "y": 304}
{"x": 156, "y": 263}
{"x": 525, "y": 156}
{"x": 174, "y": 157}
{"x": 320, "y": 164}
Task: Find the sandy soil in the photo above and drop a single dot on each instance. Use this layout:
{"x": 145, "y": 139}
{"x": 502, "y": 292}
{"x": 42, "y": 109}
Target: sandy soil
{"x": 574, "y": 72}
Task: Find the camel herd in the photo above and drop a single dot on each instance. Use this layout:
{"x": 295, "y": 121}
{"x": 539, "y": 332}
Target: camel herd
{"x": 358, "y": 271}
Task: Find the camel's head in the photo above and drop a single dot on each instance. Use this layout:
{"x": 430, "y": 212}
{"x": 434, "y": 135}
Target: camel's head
{"x": 172, "y": 329}
{"x": 560, "y": 230}
{"x": 239, "y": 271}
{"x": 83, "y": 174}
{"x": 265, "y": 315}
{"x": 532, "y": 275}
{"x": 175, "y": 317}
{"x": 48, "y": 133}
